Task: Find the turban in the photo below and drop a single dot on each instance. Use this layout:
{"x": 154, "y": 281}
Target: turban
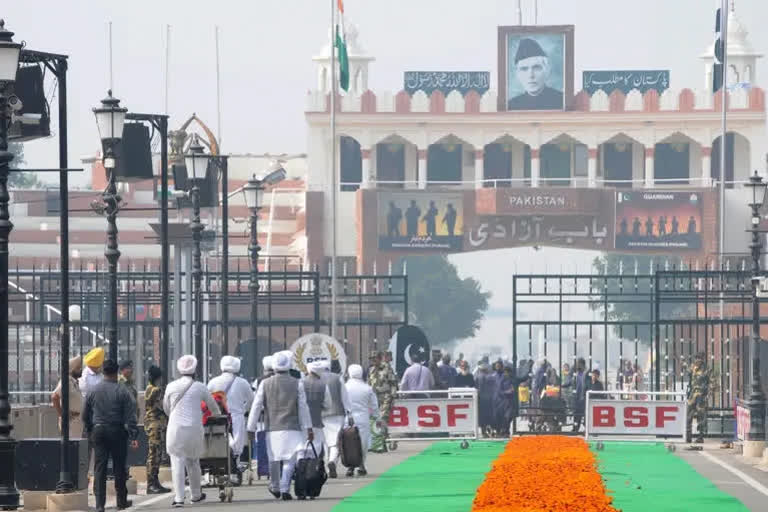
{"x": 281, "y": 361}
{"x": 316, "y": 367}
{"x": 230, "y": 364}
{"x": 355, "y": 372}
{"x": 75, "y": 364}
{"x": 95, "y": 358}
{"x": 266, "y": 363}
{"x": 187, "y": 365}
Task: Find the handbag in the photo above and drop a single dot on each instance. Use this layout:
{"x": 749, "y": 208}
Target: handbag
{"x": 310, "y": 475}
{"x": 350, "y": 447}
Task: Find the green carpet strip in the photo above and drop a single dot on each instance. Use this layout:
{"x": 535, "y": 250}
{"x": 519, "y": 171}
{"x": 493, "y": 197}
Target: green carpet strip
{"x": 443, "y": 478}
{"x": 646, "y": 477}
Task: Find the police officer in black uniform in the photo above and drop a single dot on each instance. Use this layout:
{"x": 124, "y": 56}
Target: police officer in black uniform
{"x": 109, "y": 418}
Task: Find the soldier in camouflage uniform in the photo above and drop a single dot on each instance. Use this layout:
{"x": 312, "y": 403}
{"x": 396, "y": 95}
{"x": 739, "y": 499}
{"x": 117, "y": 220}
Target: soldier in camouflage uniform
{"x": 155, "y": 423}
{"x": 699, "y": 381}
{"x": 384, "y": 383}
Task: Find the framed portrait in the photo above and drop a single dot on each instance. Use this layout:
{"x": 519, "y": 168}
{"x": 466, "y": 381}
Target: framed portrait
{"x": 535, "y": 67}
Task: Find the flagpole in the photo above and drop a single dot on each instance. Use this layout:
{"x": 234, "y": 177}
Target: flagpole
{"x": 723, "y": 138}
{"x": 334, "y": 183}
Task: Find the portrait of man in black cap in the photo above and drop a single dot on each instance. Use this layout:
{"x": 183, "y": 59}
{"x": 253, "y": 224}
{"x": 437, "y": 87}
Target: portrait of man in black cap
{"x": 531, "y": 70}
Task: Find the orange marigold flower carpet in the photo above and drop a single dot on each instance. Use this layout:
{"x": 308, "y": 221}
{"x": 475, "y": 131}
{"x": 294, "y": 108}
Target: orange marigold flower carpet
{"x": 544, "y": 474}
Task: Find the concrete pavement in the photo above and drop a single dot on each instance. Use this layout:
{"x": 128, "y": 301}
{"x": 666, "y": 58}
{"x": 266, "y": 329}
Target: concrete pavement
{"x": 257, "y": 496}
{"x": 743, "y": 478}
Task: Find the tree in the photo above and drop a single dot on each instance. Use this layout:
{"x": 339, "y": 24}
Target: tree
{"x": 622, "y": 306}
{"x": 20, "y": 179}
{"x": 446, "y": 307}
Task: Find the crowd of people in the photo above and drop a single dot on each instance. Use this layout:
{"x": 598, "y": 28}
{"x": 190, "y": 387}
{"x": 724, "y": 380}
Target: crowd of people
{"x": 297, "y": 411}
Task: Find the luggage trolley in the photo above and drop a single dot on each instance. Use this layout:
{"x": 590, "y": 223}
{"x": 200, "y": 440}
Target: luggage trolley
{"x": 217, "y": 458}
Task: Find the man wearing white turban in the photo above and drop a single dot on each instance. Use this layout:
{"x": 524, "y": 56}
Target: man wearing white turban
{"x": 333, "y": 419}
{"x": 239, "y": 399}
{"x": 364, "y": 406}
{"x": 266, "y": 364}
{"x": 286, "y": 418}
{"x": 318, "y": 401}
{"x": 184, "y": 437}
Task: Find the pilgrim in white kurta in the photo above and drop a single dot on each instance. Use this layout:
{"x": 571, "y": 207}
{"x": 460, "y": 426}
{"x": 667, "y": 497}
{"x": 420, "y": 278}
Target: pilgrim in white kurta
{"x": 364, "y": 406}
{"x": 239, "y": 399}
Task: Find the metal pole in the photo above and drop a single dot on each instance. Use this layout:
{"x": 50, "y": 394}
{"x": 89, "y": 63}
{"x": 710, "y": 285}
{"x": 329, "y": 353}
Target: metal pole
{"x": 225, "y": 251}
{"x": 756, "y": 397}
{"x": 253, "y": 285}
{"x": 334, "y": 183}
{"x": 65, "y": 478}
{"x": 165, "y": 253}
{"x": 519, "y": 12}
{"x": 112, "y": 202}
{"x": 9, "y": 496}
{"x": 197, "y": 273}
{"x": 723, "y": 139}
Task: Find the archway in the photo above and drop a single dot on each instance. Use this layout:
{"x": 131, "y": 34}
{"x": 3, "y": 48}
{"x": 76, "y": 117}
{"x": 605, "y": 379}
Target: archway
{"x": 563, "y": 159}
{"x": 506, "y": 162}
{"x": 395, "y": 162}
{"x": 620, "y": 161}
{"x": 674, "y": 158}
{"x": 737, "y": 159}
{"x": 450, "y": 161}
{"x": 351, "y": 164}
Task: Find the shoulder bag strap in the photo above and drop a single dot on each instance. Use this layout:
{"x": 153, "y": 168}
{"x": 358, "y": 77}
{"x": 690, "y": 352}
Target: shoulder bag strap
{"x": 176, "y": 402}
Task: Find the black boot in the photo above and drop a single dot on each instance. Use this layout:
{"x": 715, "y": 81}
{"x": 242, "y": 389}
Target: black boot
{"x": 154, "y": 486}
{"x": 332, "y": 470}
{"x": 286, "y": 496}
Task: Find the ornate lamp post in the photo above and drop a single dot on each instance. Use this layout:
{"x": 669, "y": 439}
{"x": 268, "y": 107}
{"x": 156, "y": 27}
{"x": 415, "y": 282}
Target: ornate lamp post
{"x": 196, "y": 161}
{"x": 253, "y": 193}
{"x": 110, "y": 118}
{"x": 756, "y": 400}
{"x": 9, "y": 63}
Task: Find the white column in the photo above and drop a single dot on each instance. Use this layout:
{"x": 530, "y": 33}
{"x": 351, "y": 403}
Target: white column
{"x": 650, "y": 175}
{"x": 592, "y": 168}
{"x": 365, "y": 181}
{"x": 706, "y": 167}
{"x": 422, "y": 155}
{"x": 479, "y": 168}
{"x": 535, "y": 167}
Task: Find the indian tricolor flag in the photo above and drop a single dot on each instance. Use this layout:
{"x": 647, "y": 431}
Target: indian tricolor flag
{"x": 341, "y": 45}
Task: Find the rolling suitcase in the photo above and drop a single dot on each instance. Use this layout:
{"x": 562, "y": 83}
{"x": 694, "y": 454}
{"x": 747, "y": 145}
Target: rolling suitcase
{"x": 350, "y": 447}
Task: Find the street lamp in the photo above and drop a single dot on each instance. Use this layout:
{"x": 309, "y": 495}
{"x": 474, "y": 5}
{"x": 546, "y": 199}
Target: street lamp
{"x": 196, "y": 161}
{"x": 9, "y": 63}
{"x": 253, "y": 193}
{"x": 756, "y": 401}
{"x": 110, "y": 118}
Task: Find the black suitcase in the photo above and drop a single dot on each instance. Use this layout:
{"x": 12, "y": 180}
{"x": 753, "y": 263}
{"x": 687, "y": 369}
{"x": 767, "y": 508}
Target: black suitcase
{"x": 37, "y": 463}
{"x": 350, "y": 447}
{"x": 310, "y": 475}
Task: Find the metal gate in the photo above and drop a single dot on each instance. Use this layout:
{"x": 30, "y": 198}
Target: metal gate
{"x": 641, "y": 331}
{"x": 292, "y": 302}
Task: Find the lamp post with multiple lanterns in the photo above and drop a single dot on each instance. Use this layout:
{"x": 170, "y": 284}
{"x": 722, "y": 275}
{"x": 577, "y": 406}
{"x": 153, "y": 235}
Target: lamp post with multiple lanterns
{"x": 110, "y": 119}
{"x": 9, "y": 63}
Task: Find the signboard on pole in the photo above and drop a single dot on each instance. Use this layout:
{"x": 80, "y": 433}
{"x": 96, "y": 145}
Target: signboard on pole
{"x": 743, "y": 422}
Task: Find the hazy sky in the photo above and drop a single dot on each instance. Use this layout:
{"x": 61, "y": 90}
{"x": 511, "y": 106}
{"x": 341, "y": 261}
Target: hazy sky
{"x": 266, "y": 67}
{"x": 267, "y": 46}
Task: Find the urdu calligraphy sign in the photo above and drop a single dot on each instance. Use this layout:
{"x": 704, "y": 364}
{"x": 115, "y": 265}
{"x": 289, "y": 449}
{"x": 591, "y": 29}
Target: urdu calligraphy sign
{"x": 578, "y": 231}
{"x": 625, "y": 81}
{"x": 447, "y": 81}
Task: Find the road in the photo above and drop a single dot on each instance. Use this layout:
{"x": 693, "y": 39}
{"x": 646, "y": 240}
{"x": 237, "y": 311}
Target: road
{"x": 248, "y": 497}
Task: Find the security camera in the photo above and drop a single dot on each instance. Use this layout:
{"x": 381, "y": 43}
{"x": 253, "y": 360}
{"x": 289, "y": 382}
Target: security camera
{"x": 15, "y": 103}
{"x": 274, "y": 174}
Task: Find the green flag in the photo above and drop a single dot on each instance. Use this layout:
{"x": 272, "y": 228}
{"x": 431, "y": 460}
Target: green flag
{"x": 341, "y": 44}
